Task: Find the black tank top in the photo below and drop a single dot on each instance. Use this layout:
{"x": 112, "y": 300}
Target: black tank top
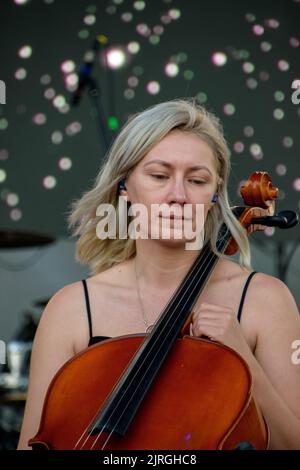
{"x": 97, "y": 339}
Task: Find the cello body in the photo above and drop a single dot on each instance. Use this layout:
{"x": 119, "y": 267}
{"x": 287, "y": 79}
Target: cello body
{"x": 201, "y": 399}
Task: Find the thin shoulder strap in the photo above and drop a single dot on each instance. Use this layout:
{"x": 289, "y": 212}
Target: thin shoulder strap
{"x": 244, "y": 294}
{"x": 88, "y": 309}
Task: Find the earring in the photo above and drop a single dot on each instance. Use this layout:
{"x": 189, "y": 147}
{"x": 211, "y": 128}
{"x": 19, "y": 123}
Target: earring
{"x": 215, "y": 198}
{"x": 121, "y": 185}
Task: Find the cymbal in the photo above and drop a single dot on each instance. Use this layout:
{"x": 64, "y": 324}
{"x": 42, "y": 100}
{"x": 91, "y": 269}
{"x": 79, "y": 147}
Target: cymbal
{"x": 20, "y": 239}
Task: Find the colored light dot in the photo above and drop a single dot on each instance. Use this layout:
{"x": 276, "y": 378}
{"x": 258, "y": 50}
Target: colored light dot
{"x": 67, "y": 66}
{"x": 57, "y": 137}
{"x": 89, "y": 19}
{"x": 20, "y": 74}
{"x": 71, "y": 81}
{"x": 133, "y": 47}
{"x": 91, "y": 9}
{"x": 248, "y": 131}
{"x": 219, "y": 59}
{"x": 73, "y": 128}
{"x": 258, "y": 30}
{"x": 250, "y": 17}
{"x": 279, "y": 96}
{"x": 139, "y": 5}
{"x": 64, "y": 109}
{"x": 278, "y": 114}
{"x": 116, "y": 58}
{"x": 251, "y": 83}
{"x": 229, "y": 109}
{"x": 158, "y": 29}
{"x": 143, "y": 29}
{"x": 153, "y": 39}
{"x": 12, "y": 199}
{"x": 296, "y": 184}
{"x": 25, "y": 52}
{"x": 133, "y": 81}
{"x": 165, "y": 19}
{"x": 188, "y": 75}
{"x": 182, "y": 57}
{"x": 129, "y": 94}
{"x": 281, "y": 170}
{"x": 83, "y": 34}
{"x": 49, "y": 93}
{"x": 3, "y": 155}
{"x": 153, "y": 87}
{"x": 248, "y": 67}
{"x": 238, "y": 147}
{"x": 171, "y": 69}
{"x": 39, "y": 119}
{"x": 21, "y": 2}
{"x": 2, "y": 175}
{"x": 201, "y": 97}
{"x": 15, "y": 215}
{"x": 3, "y": 124}
{"x": 266, "y": 46}
{"x": 65, "y": 163}
{"x": 256, "y": 151}
{"x": 264, "y": 76}
{"x": 174, "y": 13}
{"x": 287, "y": 142}
{"x": 49, "y": 182}
{"x": 113, "y": 123}
{"x": 59, "y": 101}
{"x": 126, "y": 17}
{"x": 294, "y": 42}
{"x": 111, "y": 9}
{"x": 138, "y": 70}
{"x": 283, "y": 65}
{"x": 272, "y": 23}
{"x": 296, "y": 84}
{"x": 45, "y": 79}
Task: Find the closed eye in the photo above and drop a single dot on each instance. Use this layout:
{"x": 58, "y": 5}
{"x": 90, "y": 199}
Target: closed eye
{"x": 160, "y": 177}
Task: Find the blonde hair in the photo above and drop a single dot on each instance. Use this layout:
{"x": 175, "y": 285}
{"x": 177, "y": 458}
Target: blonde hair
{"x": 137, "y": 137}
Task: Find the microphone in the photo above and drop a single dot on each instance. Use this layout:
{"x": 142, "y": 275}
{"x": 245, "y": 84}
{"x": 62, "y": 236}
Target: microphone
{"x": 87, "y": 67}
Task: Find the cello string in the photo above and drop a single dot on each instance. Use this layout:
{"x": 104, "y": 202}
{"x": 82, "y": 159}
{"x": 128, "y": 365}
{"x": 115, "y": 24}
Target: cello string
{"x": 170, "y": 300}
{"x": 128, "y": 403}
{"x": 210, "y": 255}
{"x": 197, "y": 265}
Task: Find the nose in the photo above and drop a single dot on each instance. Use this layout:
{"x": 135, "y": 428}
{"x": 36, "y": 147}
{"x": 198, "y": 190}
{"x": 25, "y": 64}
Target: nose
{"x": 177, "y": 192}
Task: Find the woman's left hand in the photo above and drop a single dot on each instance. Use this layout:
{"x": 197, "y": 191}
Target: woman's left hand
{"x": 220, "y": 324}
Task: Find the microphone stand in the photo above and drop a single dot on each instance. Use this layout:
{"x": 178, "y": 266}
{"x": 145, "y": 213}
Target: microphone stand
{"x": 86, "y": 80}
{"x": 97, "y": 110}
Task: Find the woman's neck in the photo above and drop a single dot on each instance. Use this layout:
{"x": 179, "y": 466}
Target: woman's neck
{"x": 161, "y": 266}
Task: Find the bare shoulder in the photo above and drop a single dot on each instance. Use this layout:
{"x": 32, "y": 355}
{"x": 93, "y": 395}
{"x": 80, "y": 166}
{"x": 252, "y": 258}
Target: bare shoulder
{"x": 64, "y": 315}
{"x": 272, "y": 296}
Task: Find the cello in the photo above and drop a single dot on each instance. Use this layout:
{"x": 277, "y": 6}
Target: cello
{"x": 165, "y": 389}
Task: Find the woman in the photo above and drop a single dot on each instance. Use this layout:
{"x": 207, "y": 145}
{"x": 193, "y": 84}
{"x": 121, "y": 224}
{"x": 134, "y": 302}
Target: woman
{"x": 173, "y": 153}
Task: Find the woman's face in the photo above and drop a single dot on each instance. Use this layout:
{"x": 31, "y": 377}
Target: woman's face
{"x": 179, "y": 171}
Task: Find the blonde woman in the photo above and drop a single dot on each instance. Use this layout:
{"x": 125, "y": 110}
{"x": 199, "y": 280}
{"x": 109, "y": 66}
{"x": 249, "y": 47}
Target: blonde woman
{"x": 175, "y": 154}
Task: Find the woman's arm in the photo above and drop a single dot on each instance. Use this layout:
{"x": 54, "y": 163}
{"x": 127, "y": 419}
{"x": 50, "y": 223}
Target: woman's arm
{"x": 53, "y": 346}
{"x": 276, "y": 375}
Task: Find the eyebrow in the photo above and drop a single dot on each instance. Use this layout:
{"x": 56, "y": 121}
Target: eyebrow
{"x": 169, "y": 165}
